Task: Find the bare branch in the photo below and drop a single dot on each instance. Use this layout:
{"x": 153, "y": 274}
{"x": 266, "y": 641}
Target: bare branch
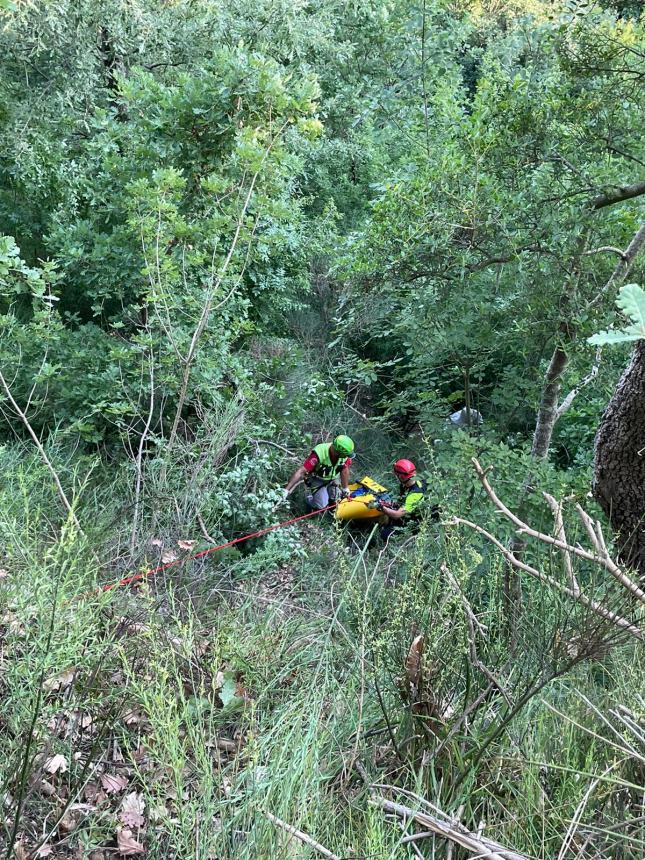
{"x": 289, "y": 453}
{"x": 303, "y": 837}
{"x": 556, "y": 507}
{"x": 624, "y": 264}
{"x": 568, "y": 400}
{"x": 208, "y": 307}
{"x": 605, "y": 249}
{"x": 442, "y": 825}
{"x": 139, "y": 458}
{"x": 597, "y": 608}
{"x": 618, "y": 195}
{"x": 601, "y": 556}
{"x": 204, "y": 531}
{"x": 41, "y": 451}
{"x": 467, "y": 607}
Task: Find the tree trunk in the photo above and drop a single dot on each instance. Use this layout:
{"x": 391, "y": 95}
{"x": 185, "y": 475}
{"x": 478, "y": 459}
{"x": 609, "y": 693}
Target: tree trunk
{"x": 619, "y": 462}
{"x": 548, "y": 411}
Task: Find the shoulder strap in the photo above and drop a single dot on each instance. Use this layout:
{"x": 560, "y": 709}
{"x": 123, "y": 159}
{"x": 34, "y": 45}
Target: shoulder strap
{"x": 322, "y": 452}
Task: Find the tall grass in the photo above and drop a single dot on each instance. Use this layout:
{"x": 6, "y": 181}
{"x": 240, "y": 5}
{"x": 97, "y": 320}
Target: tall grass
{"x": 228, "y": 704}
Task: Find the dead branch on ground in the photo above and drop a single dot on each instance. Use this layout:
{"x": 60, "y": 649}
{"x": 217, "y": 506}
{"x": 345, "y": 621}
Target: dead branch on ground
{"x": 436, "y": 822}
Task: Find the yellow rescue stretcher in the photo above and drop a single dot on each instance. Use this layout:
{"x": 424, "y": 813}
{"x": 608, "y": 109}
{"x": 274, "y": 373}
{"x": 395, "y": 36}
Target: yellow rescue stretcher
{"x": 362, "y": 504}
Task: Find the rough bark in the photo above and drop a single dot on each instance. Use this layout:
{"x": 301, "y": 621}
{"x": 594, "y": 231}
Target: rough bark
{"x": 619, "y": 461}
{"x": 550, "y": 409}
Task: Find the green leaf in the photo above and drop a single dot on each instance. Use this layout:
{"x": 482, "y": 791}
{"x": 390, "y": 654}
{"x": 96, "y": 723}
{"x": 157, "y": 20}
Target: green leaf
{"x": 616, "y": 336}
{"x": 228, "y": 693}
{"x": 631, "y": 301}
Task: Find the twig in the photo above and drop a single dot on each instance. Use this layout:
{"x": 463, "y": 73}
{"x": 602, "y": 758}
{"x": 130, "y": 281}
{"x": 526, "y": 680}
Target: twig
{"x": 575, "y": 821}
{"x": 471, "y": 621}
{"x": 208, "y": 307}
{"x": 203, "y": 530}
{"x": 139, "y": 458}
{"x": 560, "y": 533}
{"x": 467, "y": 607}
{"x": 597, "y": 608}
{"x": 451, "y": 847}
{"x": 606, "y": 248}
{"x": 41, "y": 451}
{"x": 410, "y": 838}
{"x": 303, "y": 837}
{"x": 568, "y": 400}
{"x": 601, "y": 556}
{"x": 415, "y": 837}
{"x": 274, "y": 445}
{"x": 624, "y": 264}
{"x": 484, "y": 848}
{"x": 390, "y": 730}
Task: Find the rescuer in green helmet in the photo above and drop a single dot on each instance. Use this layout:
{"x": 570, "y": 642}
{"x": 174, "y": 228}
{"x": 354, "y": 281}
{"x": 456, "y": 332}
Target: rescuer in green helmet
{"x": 325, "y": 473}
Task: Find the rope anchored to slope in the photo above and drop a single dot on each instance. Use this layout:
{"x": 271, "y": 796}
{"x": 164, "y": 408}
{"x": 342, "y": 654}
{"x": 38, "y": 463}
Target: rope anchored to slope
{"x": 146, "y": 574}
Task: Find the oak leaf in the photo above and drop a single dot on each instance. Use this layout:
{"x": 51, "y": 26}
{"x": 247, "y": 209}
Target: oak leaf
{"x": 69, "y": 821}
{"x": 186, "y": 544}
{"x": 56, "y": 764}
{"x": 127, "y": 844}
{"x": 131, "y": 813}
{"x": 93, "y": 793}
{"x": 21, "y": 851}
{"x": 113, "y": 783}
{"x": 46, "y": 788}
{"x": 61, "y": 681}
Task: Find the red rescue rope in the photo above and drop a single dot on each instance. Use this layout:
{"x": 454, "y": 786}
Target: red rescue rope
{"x": 145, "y": 574}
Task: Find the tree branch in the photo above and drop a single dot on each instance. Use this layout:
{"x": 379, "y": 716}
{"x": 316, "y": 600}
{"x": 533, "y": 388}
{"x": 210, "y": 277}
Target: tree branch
{"x": 597, "y": 608}
{"x": 624, "y": 264}
{"x": 303, "y": 837}
{"x": 626, "y": 192}
{"x": 41, "y": 451}
{"x": 484, "y": 848}
{"x": 560, "y": 533}
{"x": 605, "y": 249}
{"x": 568, "y": 400}
{"x": 600, "y": 556}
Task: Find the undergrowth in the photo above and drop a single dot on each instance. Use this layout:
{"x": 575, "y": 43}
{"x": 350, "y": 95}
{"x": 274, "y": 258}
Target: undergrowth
{"x": 205, "y": 713}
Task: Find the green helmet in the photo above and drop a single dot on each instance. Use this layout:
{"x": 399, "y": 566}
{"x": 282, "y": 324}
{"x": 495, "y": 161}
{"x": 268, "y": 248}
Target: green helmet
{"x": 344, "y": 445}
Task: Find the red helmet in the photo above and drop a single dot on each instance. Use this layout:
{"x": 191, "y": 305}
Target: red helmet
{"x": 405, "y": 468}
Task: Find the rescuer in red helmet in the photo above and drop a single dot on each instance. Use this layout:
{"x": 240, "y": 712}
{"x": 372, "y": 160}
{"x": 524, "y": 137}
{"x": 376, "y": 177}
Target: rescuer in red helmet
{"x": 411, "y": 496}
